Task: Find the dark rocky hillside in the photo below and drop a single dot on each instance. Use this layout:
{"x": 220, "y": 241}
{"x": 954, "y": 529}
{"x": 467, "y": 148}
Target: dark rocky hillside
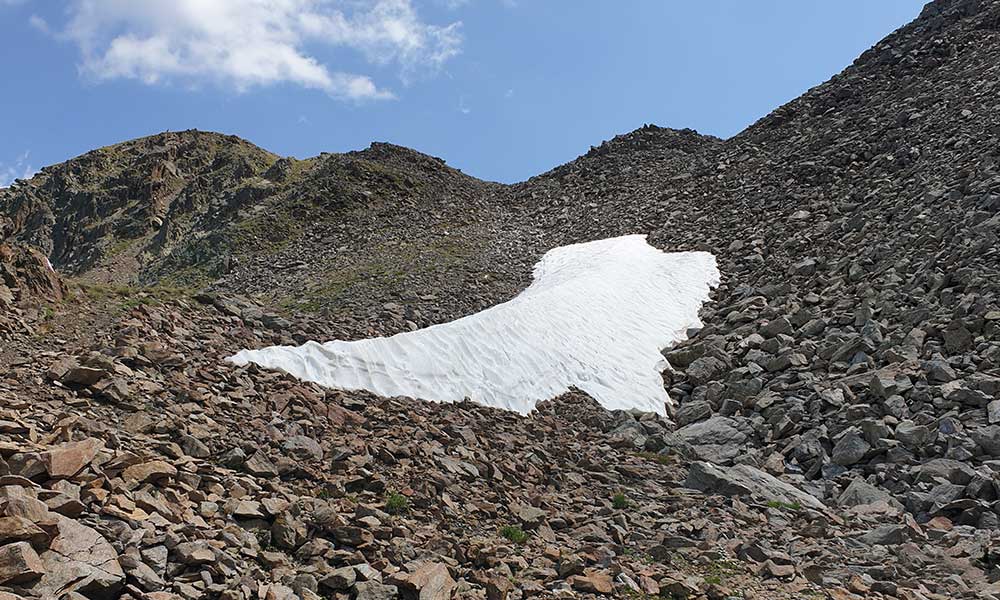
{"x": 837, "y": 433}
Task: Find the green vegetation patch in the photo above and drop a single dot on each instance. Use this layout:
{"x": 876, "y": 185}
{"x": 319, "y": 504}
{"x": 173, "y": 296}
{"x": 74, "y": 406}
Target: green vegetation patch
{"x": 514, "y": 533}
{"x": 396, "y": 503}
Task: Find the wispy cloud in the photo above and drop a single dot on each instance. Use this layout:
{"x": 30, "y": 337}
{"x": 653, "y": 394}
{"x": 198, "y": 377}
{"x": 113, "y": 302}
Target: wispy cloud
{"x": 40, "y": 24}
{"x": 463, "y": 107}
{"x": 19, "y": 169}
{"x": 244, "y": 44}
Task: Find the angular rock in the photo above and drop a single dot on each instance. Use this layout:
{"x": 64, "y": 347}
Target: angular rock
{"x": 860, "y": 493}
{"x": 80, "y": 559}
{"x": 704, "y": 370}
{"x": 850, "y": 449}
{"x": 431, "y": 581}
{"x": 149, "y": 472}
{"x": 19, "y": 564}
{"x": 66, "y": 460}
{"x": 744, "y": 480}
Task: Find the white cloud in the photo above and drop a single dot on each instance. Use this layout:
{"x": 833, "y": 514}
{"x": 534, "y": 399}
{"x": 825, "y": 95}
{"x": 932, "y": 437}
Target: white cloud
{"x": 19, "y": 169}
{"x": 463, "y": 107}
{"x": 39, "y": 23}
{"x": 251, "y": 43}
{"x": 453, "y": 4}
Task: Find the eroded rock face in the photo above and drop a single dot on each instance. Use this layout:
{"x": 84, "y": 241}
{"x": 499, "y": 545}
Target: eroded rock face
{"x": 26, "y": 282}
{"x": 25, "y": 274}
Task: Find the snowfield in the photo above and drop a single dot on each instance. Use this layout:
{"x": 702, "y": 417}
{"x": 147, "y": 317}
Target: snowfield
{"x": 596, "y": 316}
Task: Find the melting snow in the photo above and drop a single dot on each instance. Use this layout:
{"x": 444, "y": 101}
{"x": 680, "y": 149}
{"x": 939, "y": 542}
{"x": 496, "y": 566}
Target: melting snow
{"x": 595, "y": 317}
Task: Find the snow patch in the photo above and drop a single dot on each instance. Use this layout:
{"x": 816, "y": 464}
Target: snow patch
{"x": 596, "y": 316}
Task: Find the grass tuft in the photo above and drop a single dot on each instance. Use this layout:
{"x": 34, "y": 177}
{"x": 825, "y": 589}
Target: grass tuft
{"x": 514, "y": 534}
{"x": 396, "y": 503}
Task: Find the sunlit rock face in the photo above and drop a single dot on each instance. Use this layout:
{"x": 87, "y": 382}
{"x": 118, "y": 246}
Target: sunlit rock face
{"x": 595, "y": 317}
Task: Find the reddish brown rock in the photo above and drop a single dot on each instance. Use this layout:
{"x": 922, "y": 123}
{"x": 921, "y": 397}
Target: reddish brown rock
{"x": 594, "y": 582}
{"x": 66, "y": 460}
{"x": 19, "y": 563}
{"x": 79, "y": 558}
{"x": 431, "y": 581}
{"x": 20, "y": 529}
{"x": 150, "y": 471}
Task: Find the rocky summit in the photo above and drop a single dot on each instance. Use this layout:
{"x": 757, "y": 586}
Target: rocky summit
{"x": 837, "y": 423}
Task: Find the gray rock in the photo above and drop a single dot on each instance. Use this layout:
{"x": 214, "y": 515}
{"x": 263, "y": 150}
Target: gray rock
{"x": 944, "y": 469}
{"x": 192, "y": 446}
{"x": 19, "y": 563}
{"x": 716, "y": 439}
{"x": 743, "y": 480}
{"x": 966, "y": 392}
{"x": 987, "y": 438}
{"x": 850, "y": 449}
{"x": 776, "y": 327}
{"x": 914, "y": 436}
{"x": 944, "y": 493}
{"x": 993, "y": 412}
{"x": 957, "y": 338}
{"x": 939, "y": 371}
{"x": 860, "y": 492}
{"x": 302, "y": 447}
{"x": 717, "y": 430}
{"x": 886, "y": 535}
{"x": 691, "y": 412}
{"x": 704, "y": 370}
{"x": 373, "y": 590}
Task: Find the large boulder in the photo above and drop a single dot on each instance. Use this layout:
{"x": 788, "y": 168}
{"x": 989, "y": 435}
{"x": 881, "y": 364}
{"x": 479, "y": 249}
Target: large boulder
{"x": 860, "y": 493}
{"x": 715, "y": 440}
{"x": 79, "y": 559}
{"x": 744, "y": 480}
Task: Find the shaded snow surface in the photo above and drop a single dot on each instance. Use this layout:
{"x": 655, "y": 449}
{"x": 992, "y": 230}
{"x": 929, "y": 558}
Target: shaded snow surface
{"x": 595, "y": 317}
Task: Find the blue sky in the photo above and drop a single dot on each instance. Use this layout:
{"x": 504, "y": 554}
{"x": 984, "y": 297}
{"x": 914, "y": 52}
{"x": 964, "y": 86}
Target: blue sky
{"x": 502, "y": 89}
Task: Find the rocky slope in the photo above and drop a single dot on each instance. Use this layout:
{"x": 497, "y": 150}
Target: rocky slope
{"x": 838, "y": 429}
